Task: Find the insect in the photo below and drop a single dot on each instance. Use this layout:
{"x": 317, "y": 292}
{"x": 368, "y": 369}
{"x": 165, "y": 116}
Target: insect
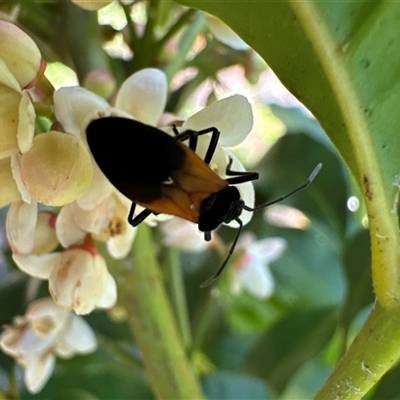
{"x": 163, "y": 175}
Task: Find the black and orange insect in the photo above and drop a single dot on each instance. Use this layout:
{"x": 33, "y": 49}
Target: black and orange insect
{"x": 163, "y": 175}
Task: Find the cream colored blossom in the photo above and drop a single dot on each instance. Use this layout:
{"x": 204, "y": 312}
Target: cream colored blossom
{"x": 57, "y": 169}
{"x": 78, "y": 277}
{"x": 20, "y": 66}
{"x": 46, "y": 331}
{"x": 105, "y": 221}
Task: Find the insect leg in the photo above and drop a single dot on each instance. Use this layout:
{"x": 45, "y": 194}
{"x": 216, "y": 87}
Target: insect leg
{"x": 239, "y": 176}
{"x": 193, "y": 135}
{"x": 135, "y": 221}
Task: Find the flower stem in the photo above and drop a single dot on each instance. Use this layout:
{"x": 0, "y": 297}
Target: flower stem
{"x": 188, "y": 38}
{"x": 151, "y": 319}
{"x": 177, "y": 295}
{"x": 84, "y": 40}
{"x": 183, "y": 19}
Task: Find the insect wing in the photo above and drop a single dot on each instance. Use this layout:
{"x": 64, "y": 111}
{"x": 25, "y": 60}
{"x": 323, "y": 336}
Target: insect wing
{"x": 136, "y": 158}
{"x": 152, "y": 168}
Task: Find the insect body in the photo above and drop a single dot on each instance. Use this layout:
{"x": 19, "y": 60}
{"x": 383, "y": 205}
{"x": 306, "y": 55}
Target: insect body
{"x": 161, "y": 174}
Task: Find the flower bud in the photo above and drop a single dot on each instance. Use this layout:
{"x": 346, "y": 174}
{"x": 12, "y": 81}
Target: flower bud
{"x": 20, "y": 53}
{"x": 57, "y": 169}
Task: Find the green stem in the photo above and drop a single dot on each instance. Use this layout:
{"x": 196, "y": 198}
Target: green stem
{"x": 183, "y": 20}
{"x": 372, "y": 353}
{"x": 207, "y": 316}
{"x": 144, "y": 52}
{"x": 151, "y": 320}
{"x": 177, "y": 295}
{"x": 83, "y": 36}
{"x": 132, "y": 31}
{"x": 118, "y": 350}
{"x": 185, "y": 45}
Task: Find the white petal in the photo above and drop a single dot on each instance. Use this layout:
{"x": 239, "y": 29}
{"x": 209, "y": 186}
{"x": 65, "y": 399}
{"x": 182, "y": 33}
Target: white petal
{"x": 99, "y": 189}
{"x": 77, "y": 338}
{"x": 39, "y": 266}
{"x": 26, "y": 126}
{"x": 75, "y": 106}
{"x": 96, "y": 219}
{"x": 257, "y": 280}
{"x": 109, "y": 296}
{"x": 31, "y": 344}
{"x": 184, "y": 235}
{"x": 232, "y": 116}
{"x": 67, "y": 230}
{"x": 79, "y": 280}
{"x": 268, "y": 250}
{"x": 21, "y": 223}
{"x": 16, "y": 171}
{"x": 144, "y": 95}
{"x": 46, "y": 318}
{"x": 7, "y": 78}
{"x": 38, "y": 371}
{"x": 120, "y": 245}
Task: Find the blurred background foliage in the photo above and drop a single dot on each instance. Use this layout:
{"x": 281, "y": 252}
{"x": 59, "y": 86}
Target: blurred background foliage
{"x": 242, "y": 347}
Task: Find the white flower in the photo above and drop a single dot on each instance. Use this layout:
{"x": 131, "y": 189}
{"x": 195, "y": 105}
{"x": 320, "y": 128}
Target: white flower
{"x": 251, "y": 270}
{"x": 106, "y": 221}
{"x": 78, "y": 277}
{"x": 184, "y": 235}
{"x": 45, "y": 332}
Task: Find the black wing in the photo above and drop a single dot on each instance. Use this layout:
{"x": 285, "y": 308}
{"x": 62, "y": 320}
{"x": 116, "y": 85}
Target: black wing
{"x": 135, "y": 157}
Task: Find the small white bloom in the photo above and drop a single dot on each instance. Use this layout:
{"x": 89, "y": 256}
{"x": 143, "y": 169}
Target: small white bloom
{"x": 46, "y": 331}
{"x": 251, "y": 270}
{"x": 71, "y": 276}
{"x": 184, "y": 235}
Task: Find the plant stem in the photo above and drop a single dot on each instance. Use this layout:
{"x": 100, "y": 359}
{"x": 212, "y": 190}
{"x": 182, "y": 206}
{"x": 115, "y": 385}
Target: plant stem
{"x": 151, "y": 319}
{"x": 184, "y": 46}
{"x": 84, "y": 40}
{"x": 372, "y": 354}
{"x": 175, "y": 28}
{"x": 177, "y": 295}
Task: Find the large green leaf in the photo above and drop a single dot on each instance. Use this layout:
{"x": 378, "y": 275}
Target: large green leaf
{"x": 342, "y": 59}
{"x": 295, "y": 339}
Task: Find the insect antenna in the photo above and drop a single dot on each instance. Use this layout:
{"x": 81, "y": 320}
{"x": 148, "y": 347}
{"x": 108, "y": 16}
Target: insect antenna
{"x": 307, "y": 183}
{"x": 221, "y": 268}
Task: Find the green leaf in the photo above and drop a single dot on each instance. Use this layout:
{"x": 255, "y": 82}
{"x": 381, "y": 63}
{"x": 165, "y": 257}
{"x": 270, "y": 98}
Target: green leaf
{"x": 341, "y": 59}
{"x": 288, "y": 164}
{"x": 296, "y": 338}
{"x": 310, "y": 270}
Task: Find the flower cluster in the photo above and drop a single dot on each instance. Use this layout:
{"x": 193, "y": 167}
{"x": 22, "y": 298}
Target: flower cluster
{"x": 44, "y": 332}
{"x": 60, "y": 203}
